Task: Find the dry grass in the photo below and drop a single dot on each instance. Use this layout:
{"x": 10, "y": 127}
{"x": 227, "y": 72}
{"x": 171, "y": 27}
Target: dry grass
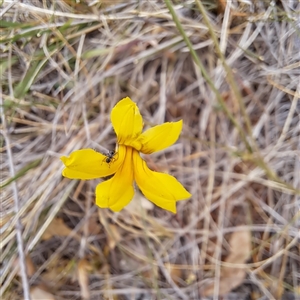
{"x": 63, "y": 67}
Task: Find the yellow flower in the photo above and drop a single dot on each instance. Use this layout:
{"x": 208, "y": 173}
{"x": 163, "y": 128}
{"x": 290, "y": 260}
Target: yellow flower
{"x": 127, "y": 165}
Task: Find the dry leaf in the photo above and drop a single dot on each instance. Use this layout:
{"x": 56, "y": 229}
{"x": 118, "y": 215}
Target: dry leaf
{"x": 221, "y": 6}
{"x": 113, "y": 235}
{"x": 231, "y": 277}
{"x": 83, "y": 278}
{"x": 56, "y": 228}
{"x": 240, "y": 244}
{"x": 30, "y": 267}
{"x": 175, "y": 273}
{"x": 94, "y": 227}
{"x": 38, "y": 293}
{"x": 228, "y": 282}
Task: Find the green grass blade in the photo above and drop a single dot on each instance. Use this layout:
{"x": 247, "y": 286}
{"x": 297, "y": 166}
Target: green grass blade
{"x": 24, "y": 85}
{"x": 21, "y": 173}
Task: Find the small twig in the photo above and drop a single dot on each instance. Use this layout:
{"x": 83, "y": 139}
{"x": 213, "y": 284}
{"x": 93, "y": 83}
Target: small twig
{"x": 26, "y": 291}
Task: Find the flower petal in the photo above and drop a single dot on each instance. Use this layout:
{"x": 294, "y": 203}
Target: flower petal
{"x": 126, "y": 120}
{"x": 162, "y": 189}
{"x": 90, "y": 164}
{"x": 160, "y": 137}
{"x": 118, "y": 191}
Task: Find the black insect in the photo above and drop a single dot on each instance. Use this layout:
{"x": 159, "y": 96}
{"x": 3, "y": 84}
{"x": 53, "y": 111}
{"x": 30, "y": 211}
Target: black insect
{"x": 110, "y": 156}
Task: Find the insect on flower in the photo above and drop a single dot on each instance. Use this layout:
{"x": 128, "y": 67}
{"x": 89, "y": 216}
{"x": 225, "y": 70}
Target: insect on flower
{"x": 110, "y": 157}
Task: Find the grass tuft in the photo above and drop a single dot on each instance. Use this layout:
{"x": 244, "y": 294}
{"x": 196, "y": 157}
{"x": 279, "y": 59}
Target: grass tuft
{"x": 230, "y": 70}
